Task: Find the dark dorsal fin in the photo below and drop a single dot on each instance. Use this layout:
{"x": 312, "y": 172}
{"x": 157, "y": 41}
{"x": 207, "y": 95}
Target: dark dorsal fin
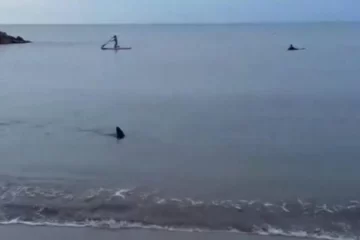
{"x": 119, "y": 133}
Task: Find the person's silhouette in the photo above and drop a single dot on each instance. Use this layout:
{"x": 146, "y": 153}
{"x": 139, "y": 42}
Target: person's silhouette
{"x": 116, "y": 45}
{"x": 291, "y": 48}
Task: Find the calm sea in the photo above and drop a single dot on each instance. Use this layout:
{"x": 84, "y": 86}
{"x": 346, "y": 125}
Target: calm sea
{"x": 226, "y": 130}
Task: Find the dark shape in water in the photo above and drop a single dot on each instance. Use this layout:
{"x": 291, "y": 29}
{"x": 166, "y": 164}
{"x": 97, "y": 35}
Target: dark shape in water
{"x": 115, "y": 49}
{"x": 292, "y": 48}
{"x": 119, "y": 133}
{"x": 116, "y": 45}
{"x": 7, "y": 39}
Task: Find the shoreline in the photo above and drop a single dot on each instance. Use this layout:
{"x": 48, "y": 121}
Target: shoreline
{"x": 68, "y": 231}
{"x": 59, "y": 233}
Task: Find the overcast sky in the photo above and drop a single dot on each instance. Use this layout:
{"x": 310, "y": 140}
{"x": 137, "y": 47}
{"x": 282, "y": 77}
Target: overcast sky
{"x": 170, "y": 11}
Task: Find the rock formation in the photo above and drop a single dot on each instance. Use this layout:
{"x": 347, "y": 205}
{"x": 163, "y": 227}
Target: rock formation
{"x": 7, "y": 39}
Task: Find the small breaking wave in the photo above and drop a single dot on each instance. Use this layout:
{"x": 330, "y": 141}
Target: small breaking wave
{"x": 303, "y": 234}
{"x": 141, "y": 208}
{"x": 111, "y": 224}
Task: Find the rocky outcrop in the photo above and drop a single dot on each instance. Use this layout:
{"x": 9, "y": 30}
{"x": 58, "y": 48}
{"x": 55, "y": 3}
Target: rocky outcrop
{"x": 7, "y": 39}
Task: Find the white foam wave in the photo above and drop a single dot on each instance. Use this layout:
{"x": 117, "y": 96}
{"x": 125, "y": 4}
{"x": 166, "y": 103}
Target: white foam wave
{"x": 238, "y": 207}
{"x": 252, "y": 202}
{"x": 267, "y": 204}
{"x": 324, "y": 208}
{"x": 12, "y": 193}
{"x": 352, "y": 206}
{"x": 122, "y": 193}
{"x": 194, "y": 202}
{"x": 93, "y": 193}
{"x": 161, "y": 201}
{"x": 53, "y": 224}
{"x": 111, "y": 224}
{"x": 283, "y": 207}
{"x": 302, "y": 234}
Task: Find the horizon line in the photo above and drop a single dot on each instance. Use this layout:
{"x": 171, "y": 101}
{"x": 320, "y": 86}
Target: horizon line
{"x": 192, "y": 23}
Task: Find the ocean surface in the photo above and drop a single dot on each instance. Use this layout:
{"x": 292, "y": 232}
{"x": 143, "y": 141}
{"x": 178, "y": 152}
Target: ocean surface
{"x": 226, "y": 130}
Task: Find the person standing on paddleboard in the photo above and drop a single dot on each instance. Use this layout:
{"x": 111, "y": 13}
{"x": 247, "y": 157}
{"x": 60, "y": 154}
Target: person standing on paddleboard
{"x": 116, "y": 45}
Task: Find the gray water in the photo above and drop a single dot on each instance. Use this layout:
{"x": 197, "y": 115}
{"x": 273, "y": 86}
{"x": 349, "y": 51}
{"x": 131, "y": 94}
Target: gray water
{"x": 212, "y": 113}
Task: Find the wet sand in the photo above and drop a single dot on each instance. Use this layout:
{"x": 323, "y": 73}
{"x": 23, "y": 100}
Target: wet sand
{"x": 16, "y": 232}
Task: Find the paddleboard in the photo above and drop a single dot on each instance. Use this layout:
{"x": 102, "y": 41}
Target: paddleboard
{"x": 119, "y": 48}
